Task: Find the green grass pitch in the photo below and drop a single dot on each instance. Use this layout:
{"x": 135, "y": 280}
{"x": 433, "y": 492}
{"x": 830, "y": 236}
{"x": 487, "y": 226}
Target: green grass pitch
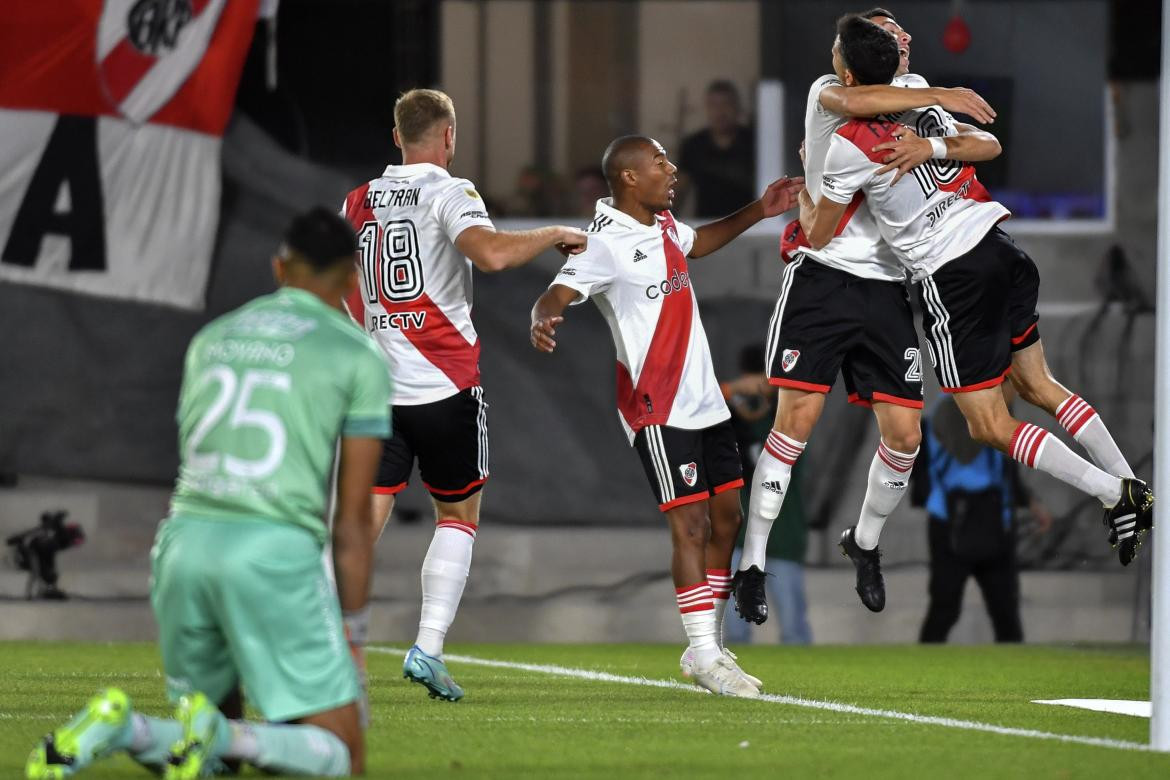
{"x": 516, "y": 723}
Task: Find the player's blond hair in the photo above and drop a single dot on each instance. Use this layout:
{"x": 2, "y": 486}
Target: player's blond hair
{"x": 418, "y": 110}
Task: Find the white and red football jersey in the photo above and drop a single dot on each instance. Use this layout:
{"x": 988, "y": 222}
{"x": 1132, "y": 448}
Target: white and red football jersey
{"x": 415, "y": 291}
{"x": 935, "y": 213}
{"x": 857, "y": 246}
{"x": 638, "y": 277}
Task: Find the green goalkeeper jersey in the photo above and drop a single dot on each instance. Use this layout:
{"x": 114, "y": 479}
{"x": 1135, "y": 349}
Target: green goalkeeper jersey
{"x": 267, "y": 391}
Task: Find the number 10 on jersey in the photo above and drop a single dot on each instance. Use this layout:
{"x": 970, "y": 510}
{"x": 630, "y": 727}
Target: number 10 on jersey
{"x": 391, "y": 268}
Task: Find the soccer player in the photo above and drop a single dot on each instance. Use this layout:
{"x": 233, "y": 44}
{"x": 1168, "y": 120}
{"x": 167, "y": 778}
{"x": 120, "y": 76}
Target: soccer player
{"x": 669, "y": 402}
{"x": 420, "y": 231}
{"x": 978, "y": 290}
{"x": 843, "y": 307}
{"x": 273, "y": 394}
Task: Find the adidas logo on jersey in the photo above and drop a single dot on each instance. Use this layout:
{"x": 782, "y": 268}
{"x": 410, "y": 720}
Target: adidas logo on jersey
{"x": 690, "y": 473}
{"x": 773, "y": 487}
{"x": 895, "y": 485}
{"x": 788, "y": 359}
{"x": 639, "y": 255}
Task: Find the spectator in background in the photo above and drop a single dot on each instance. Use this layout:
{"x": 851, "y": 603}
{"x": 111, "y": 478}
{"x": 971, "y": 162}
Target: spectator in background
{"x": 537, "y": 193}
{"x": 589, "y": 186}
{"x": 753, "y": 406}
{"x": 970, "y": 492}
{"x": 720, "y": 159}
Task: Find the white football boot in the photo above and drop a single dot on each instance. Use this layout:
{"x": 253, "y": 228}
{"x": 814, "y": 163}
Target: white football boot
{"x": 687, "y": 665}
{"x": 725, "y": 678}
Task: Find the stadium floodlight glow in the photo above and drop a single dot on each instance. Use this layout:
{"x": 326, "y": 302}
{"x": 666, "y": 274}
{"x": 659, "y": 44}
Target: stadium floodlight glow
{"x": 1160, "y": 620}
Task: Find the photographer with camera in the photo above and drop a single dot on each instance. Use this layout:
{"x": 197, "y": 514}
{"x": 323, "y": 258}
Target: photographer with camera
{"x": 971, "y": 493}
{"x": 35, "y": 551}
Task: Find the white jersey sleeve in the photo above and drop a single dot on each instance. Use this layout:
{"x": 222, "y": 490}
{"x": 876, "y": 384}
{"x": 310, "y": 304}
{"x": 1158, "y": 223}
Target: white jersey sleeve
{"x": 460, "y": 207}
{"x": 846, "y": 171}
{"x": 686, "y": 236}
{"x": 591, "y": 272}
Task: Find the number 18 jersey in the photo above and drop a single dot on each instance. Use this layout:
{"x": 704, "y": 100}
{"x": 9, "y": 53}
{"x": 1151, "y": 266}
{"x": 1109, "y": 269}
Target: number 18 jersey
{"x": 267, "y": 390}
{"x": 415, "y": 294}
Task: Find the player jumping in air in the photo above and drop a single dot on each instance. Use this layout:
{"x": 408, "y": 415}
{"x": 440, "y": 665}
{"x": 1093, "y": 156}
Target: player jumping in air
{"x": 977, "y": 289}
{"x": 238, "y": 584}
{"x": 420, "y": 231}
{"x": 669, "y": 402}
{"x": 843, "y": 307}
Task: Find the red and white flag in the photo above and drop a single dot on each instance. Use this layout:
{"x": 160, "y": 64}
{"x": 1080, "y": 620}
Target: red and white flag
{"x": 111, "y": 119}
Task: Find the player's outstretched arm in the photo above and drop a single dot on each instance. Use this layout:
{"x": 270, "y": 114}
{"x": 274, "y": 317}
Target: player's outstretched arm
{"x": 777, "y": 198}
{"x": 498, "y": 250}
{"x": 547, "y": 314}
{"x": 875, "y": 99}
{"x": 819, "y": 221}
{"x": 909, "y": 150}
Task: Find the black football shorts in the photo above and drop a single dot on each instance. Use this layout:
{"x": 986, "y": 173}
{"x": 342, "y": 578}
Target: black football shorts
{"x": 450, "y": 441}
{"x": 827, "y": 320}
{"x": 977, "y": 310}
{"x": 684, "y": 466}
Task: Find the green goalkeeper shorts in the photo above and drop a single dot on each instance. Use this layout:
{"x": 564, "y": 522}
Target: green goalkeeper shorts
{"x": 245, "y": 601}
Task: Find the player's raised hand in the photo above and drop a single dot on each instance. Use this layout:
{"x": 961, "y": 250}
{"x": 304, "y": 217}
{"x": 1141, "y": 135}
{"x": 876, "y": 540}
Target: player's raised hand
{"x": 967, "y": 101}
{"x": 573, "y": 241}
{"x": 781, "y": 195}
{"x": 907, "y": 151}
{"x": 542, "y": 332}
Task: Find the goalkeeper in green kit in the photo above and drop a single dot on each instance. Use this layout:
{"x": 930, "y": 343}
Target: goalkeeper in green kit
{"x": 274, "y": 394}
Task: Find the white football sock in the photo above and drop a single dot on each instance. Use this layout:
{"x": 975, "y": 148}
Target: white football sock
{"x": 1035, "y": 448}
{"x": 889, "y": 473}
{"x": 444, "y": 573}
{"x": 286, "y": 748}
{"x": 151, "y": 739}
{"x": 769, "y": 486}
{"x": 697, "y": 608}
{"x": 720, "y": 582}
{"x": 1087, "y": 427}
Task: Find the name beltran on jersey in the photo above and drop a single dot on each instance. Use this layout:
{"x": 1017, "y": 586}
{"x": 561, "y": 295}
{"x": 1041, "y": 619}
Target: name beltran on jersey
{"x": 381, "y": 199}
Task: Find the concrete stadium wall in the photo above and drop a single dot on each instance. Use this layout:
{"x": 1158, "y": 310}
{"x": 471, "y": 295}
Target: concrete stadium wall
{"x": 534, "y": 584}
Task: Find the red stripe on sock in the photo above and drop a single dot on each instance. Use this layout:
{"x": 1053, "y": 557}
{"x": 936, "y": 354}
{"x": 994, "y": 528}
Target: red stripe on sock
{"x": 783, "y": 449}
{"x": 458, "y": 525}
{"x": 1081, "y": 421}
{"x": 895, "y": 461}
{"x": 688, "y": 589}
{"x": 1015, "y": 439}
{"x": 1075, "y": 413}
{"x": 1034, "y": 450}
{"x": 1025, "y": 443}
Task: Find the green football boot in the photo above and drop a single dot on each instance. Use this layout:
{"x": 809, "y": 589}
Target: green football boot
{"x": 101, "y": 727}
{"x": 206, "y": 735}
{"x": 432, "y": 674}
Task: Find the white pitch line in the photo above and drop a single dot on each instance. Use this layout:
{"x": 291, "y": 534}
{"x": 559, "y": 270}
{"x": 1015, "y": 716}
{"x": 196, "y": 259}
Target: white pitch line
{"x": 795, "y": 701}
